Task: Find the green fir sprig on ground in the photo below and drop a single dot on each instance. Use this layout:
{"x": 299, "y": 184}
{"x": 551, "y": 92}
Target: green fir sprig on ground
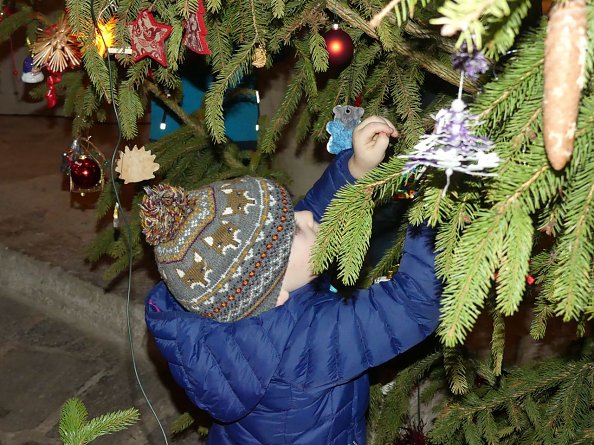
{"x": 77, "y": 429}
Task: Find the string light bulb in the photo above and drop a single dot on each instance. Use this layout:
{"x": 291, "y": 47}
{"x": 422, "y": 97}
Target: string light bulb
{"x": 163, "y": 124}
{"x": 105, "y": 35}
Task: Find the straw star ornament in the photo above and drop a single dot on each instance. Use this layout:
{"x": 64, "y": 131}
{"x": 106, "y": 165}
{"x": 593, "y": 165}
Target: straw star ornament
{"x": 56, "y": 47}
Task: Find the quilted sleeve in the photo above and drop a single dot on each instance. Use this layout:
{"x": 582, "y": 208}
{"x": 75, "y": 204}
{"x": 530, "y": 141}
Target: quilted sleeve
{"x": 334, "y": 177}
{"x": 224, "y": 368}
{"x": 342, "y": 339}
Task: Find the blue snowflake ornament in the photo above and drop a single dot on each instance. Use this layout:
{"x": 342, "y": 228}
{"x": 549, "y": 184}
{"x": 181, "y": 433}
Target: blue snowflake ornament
{"x": 453, "y": 146}
{"x": 346, "y": 118}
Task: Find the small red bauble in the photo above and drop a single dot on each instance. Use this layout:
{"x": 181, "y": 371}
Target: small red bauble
{"x": 85, "y": 172}
{"x": 339, "y": 45}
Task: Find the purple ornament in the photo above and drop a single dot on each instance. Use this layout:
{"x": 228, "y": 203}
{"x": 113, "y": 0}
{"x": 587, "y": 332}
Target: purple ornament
{"x": 473, "y": 64}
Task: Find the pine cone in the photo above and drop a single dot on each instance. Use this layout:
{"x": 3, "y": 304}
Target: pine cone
{"x": 565, "y": 56}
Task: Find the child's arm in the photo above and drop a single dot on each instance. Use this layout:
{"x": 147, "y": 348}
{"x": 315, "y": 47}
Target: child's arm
{"x": 370, "y": 141}
{"x": 341, "y": 340}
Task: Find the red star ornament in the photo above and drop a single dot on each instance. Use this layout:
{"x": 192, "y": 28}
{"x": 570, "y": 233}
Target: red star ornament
{"x": 148, "y": 38}
{"x": 195, "y": 37}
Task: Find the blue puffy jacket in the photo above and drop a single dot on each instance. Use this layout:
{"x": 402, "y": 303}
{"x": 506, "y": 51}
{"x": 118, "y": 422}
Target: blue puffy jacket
{"x": 297, "y": 374}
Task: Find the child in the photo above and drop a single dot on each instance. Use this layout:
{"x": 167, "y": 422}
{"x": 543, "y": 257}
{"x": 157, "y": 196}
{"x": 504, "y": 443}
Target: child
{"x": 250, "y": 333}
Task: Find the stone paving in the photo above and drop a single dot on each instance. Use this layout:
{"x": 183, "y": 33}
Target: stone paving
{"x": 44, "y": 361}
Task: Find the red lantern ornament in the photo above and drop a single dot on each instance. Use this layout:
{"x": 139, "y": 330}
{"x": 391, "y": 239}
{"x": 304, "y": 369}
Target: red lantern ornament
{"x": 83, "y": 162}
{"x": 339, "y": 46}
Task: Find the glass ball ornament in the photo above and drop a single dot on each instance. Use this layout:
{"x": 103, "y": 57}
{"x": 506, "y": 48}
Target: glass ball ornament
{"x": 339, "y": 46}
{"x": 84, "y": 163}
{"x": 85, "y": 173}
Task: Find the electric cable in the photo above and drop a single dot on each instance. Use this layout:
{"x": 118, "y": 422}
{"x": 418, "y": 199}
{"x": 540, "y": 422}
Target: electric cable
{"x": 126, "y": 224}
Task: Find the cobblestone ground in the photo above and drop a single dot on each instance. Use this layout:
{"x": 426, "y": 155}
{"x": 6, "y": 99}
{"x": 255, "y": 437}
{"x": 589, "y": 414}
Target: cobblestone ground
{"x": 43, "y": 362}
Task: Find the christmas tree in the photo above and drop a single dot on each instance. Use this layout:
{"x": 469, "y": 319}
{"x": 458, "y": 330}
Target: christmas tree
{"x": 494, "y": 103}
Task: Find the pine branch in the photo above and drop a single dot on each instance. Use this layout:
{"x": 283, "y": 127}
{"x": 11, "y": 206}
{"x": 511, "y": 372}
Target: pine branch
{"x": 11, "y": 23}
{"x": 98, "y": 72}
{"x": 448, "y": 236}
{"x": 402, "y": 49}
{"x": 392, "y": 406}
{"x": 405, "y": 88}
{"x": 76, "y": 430}
{"x": 521, "y": 80}
{"x": 497, "y": 342}
{"x": 186, "y": 7}
{"x": 283, "y": 114}
{"x": 278, "y": 9}
{"x": 220, "y": 45}
{"x": 172, "y": 105}
{"x": 465, "y": 16}
{"x": 464, "y": 295}
{"x": 318, "y": 51}
{"x": 456, "y": 370}
{"x": 388, "y": 263}
{"x": 229, "y": 77}
{"x": 502, "y": 31}
{"x": 572, "y": 287}
{"x": 359, "y": 225}
{"x": 73, "y": 416}
{"x": 338, "y": 230}
{"x": 535, "y": 404}
{"x": 131, "y": 110}
{"x": 517, "y": 246}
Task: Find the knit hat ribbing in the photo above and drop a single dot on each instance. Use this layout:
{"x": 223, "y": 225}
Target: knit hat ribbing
{"x": 223, "y": 249}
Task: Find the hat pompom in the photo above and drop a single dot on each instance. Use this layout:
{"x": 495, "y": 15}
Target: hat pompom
{"x": 164, "y": 208}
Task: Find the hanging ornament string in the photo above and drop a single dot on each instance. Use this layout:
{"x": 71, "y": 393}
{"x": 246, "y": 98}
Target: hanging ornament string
{"x": 259, "y": 57}
{"x": 346, "y": 117}
{"x": 338, "y": 43}
{"x": 453, "y": 146}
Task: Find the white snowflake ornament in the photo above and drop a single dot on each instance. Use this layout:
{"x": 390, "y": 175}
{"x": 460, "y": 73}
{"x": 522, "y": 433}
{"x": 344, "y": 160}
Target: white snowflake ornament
{"x": 453, "y": 146}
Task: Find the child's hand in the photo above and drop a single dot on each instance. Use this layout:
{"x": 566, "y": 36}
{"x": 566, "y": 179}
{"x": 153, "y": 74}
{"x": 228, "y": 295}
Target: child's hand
{"x": 370, "y": 141}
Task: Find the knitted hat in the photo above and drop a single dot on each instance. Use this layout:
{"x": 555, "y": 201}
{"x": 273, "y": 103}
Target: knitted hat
{"x": 223, "y": 249}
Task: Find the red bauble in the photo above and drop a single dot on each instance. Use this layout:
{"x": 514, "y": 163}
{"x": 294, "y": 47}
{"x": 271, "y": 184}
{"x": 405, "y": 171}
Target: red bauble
{"x": 6, "y": 11}
{"x": 85, "y": 172}
{"x": 339, "y": 45}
